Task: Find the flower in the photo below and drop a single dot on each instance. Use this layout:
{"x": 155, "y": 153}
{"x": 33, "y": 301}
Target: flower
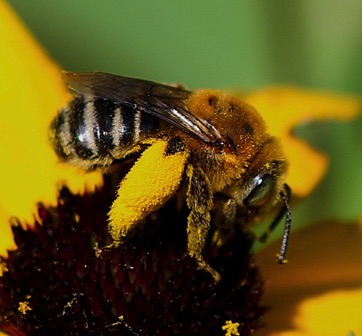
{"x": 66, "y": 284}
{"x": 56, "y": 279}
{"x": 59, "y": 276}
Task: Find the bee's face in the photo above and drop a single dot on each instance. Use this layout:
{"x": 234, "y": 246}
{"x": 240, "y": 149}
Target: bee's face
{"x": 256, "y": 195}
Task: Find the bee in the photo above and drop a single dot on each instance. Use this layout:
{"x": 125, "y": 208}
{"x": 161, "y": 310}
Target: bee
{"x": 233, "y": 171}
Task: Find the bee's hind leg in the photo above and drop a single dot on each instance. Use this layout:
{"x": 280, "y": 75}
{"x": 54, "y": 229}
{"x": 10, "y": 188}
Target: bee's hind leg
{"x": 199, "y": 201}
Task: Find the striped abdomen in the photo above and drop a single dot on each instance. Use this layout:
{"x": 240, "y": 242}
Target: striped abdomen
{"x": 91, "y": 131}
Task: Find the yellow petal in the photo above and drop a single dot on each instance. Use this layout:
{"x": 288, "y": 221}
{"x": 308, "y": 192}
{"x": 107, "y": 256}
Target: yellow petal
{"x": 283, "y": 108}
{"x": 319, "y": 292}
{"x": 31, "y": 92}
{"x": 329, "y": 314}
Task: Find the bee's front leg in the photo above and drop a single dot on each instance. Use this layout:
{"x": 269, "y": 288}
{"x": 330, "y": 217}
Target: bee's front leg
{"x": 224, "y": 219}
{"x": 224, "y": 211}
{"x": 199, "y": 201}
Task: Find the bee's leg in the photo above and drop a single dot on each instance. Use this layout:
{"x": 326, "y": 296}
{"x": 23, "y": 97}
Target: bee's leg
{"x": 150, "y": 183}
{"x": 199, "y": 201}
{"x": 224, "y": 219}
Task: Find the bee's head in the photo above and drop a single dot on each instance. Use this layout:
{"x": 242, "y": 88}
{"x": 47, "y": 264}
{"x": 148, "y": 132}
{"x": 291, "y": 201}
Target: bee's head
{"x": 241, "y": 127}
{"x": 257, "y": 191}
{"x": 261, "y": 193}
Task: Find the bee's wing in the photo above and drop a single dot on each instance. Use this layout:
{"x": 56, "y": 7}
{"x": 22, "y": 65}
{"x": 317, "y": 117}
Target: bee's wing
{"x": 163, "y": 101}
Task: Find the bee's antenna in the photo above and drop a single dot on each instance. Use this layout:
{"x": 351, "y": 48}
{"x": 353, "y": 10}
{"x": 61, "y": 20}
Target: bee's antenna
{"x": 288, "y": 223}
{"x": 285, "y": 195}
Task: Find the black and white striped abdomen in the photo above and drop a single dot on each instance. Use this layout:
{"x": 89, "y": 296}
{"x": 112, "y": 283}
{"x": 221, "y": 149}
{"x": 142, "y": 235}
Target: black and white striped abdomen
{"x": 90, "y": 131}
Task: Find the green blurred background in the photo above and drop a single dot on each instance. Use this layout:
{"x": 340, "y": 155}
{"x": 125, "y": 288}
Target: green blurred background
{"x": 226, "y": 44}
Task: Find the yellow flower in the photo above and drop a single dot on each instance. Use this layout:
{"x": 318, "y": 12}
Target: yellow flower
{"x": 31, "y": 92}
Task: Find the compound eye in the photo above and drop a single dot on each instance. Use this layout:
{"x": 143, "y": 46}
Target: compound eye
{"x": 262, "y": 187}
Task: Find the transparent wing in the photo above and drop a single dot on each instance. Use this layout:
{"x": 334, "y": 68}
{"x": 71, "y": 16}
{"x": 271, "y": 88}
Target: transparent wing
{"x": 162, "y": 101}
